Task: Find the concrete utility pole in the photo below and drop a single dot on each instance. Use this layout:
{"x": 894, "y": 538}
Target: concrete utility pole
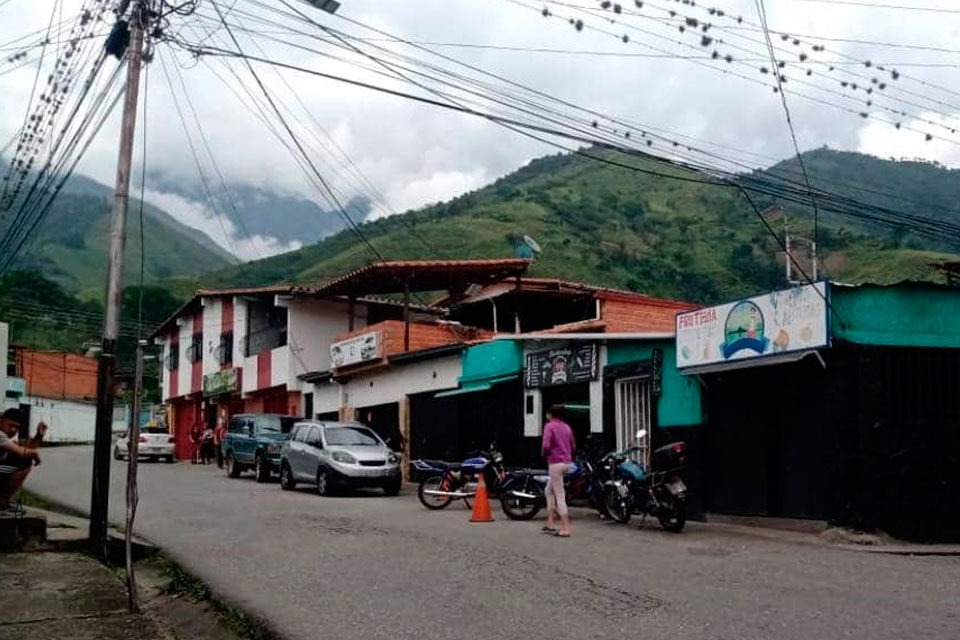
{"x": 100, "y": 491}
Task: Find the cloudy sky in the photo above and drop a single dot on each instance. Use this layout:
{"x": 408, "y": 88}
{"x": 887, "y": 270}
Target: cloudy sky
{"x": 412, "y": 154}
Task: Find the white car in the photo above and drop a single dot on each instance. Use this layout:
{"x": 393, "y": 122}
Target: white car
{"x": 155, "y": 443}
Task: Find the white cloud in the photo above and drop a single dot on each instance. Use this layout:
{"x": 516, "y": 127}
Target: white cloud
{"x": 416, "y": 154}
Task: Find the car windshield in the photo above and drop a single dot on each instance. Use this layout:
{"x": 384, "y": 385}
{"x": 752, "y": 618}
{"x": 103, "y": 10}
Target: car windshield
{"x": 154, "y": 430}
{"x": 351, "y": 437}
{"x": 268, "y": 423}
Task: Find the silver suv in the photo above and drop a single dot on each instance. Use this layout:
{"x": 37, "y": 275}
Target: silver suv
{"x": 338, "y": 454}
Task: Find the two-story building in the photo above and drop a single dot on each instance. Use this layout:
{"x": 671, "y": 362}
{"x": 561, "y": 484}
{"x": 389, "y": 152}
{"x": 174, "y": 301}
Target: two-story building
{"x": 259, "y": 349}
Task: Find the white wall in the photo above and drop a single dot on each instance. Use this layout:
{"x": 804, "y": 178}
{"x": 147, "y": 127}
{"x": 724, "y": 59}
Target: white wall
{"x": 186, "y": 367}
{"x": 326, "y": 396}
{"x": 390, "y": 385}
{"x": 280, "y": 365}
{"x": 311, "y": 326}
{"x": 4, "y": 349}
{"x": 212, "y": 325}
{"x": 164, "y": 372}
{"x": 69, "y": 421}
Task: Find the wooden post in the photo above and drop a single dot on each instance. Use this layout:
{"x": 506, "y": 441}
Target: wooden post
{"x": 406, "y": 314}
{"x": 404, "y": 417}
{"x": 100, "y": 489}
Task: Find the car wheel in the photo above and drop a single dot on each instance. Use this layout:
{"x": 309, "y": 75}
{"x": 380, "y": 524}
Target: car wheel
{"x": 262, "y": 468}
{"x": 287, "y": 483}
{"x": 393, "y": 487}
{"x": 324, "y": 487}
{"x": 233, "y": 469}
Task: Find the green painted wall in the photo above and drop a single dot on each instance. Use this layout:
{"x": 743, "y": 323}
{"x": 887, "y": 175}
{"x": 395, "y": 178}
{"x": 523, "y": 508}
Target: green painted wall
{"x": 680, "y": 404}
{"x": 905, "y": 316}
{"x": 492, "y": 360}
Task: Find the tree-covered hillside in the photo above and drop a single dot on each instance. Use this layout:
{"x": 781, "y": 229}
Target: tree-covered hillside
{"x": 615, "y": 226}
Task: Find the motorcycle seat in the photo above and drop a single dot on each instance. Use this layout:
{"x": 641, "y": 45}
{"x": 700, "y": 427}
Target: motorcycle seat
{"x": 453, "y": 466}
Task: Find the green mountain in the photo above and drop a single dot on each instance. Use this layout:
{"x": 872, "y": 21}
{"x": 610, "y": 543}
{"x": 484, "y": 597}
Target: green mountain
{"x": 649, "y": 232}
{"x": 70, "y": 245}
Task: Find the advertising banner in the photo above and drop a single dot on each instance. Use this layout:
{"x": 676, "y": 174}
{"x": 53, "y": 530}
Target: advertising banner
{"x": 221, "y": 382}
{"x": 777, "y": 323}
{"x": 360, "y": 348}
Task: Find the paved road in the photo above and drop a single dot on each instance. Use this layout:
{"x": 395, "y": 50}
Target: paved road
{"x": 375, "y": 567}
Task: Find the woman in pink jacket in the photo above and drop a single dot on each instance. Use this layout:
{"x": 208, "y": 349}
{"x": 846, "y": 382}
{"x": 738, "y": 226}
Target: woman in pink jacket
{"x": 558, "y": 448}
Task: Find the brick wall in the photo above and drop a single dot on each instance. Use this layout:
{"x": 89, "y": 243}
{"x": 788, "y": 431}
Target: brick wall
{"x": 422, "y": 335}
{"x": 58, "y": 375}
{"x": 624, "y": 316}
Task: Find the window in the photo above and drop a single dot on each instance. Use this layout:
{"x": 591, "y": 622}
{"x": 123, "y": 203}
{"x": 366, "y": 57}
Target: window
{"x": 314, "y": 437}
{"x": 300, "y": 433}
{"x": 225, "y": 350}
{"x": 308, "y": 405}
{"x": 173, "y": 356}
{"x": 195, "y": 350}
{"x": 351, "y": 437}
{"x": 266, "y": 328}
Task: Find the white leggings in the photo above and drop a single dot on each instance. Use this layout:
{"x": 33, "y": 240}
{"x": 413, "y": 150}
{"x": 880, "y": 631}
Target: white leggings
{"x": 556, "y": 496}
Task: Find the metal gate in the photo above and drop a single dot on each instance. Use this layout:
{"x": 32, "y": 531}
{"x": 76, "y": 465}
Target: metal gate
{"x": 632, "y": 398}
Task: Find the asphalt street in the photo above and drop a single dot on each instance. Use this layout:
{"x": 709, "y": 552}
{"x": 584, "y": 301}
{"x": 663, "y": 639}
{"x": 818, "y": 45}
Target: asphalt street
{"x": 368, "y": 566}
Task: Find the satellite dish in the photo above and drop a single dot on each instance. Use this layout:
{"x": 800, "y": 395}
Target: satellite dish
{"x": 533, "y": 244}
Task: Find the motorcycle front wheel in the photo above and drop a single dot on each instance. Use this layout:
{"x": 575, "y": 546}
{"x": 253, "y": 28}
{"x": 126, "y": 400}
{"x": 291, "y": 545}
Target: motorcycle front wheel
{"x": 616, "y": 504}
{"x": 673, "y": 515}
{"x": 434, "y": 502}
{"x": 521, "y": 507}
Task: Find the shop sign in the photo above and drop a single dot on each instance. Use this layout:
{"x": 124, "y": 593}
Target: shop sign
{"x": 221, "y": 382}
{"x": 564, "y": 365}
{"x": 360, "y": 348}
{"x": 777, "y": 323}
{"x": 16, "y": 386}
{"x": 656, "y": 377}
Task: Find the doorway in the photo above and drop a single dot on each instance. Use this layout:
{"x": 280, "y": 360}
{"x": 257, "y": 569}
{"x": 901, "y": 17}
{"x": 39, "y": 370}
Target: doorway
{"x": 632, "y": 413}
{"x": 576, "y": 398}
{"x": 385, "y": 420}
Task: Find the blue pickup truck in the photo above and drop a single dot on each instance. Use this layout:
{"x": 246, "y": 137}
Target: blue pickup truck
{"x": 253, "y": 441}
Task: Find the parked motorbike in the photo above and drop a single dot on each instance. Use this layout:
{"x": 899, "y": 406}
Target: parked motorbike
{"x": 449, "y": 481}
{"x": 523, "y": 492}
{"x": 632, "y": 489}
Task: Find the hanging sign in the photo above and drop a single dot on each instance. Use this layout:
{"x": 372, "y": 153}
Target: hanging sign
{"x": 221, "y": 382}
{"x": 360, "y": 348}
{"x": 563, "y": 365}
{"x": 777, "y": 323}
{"x": 656, "y": 376}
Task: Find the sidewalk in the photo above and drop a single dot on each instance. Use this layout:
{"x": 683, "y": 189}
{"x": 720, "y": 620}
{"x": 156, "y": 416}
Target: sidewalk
{"x": 67, "y": 596}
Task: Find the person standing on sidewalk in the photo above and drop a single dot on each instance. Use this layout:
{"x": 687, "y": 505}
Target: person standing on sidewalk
{"x": 558, "y": 448}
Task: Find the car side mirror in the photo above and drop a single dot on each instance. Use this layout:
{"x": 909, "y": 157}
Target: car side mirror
{"x": 316, "y": 443}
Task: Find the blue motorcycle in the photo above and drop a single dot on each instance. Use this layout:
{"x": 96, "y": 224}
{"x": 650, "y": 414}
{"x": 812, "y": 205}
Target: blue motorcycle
{"x": 449, "y": 481}
{"x": 523, "y": 492}
{"x": 633, "y": 489}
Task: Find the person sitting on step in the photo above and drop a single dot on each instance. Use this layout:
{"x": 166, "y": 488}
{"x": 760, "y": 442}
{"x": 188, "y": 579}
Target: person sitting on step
{"x": 16, "y": 459}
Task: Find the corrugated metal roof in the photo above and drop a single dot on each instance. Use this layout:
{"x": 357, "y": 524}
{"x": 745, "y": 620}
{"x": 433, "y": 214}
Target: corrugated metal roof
{"x": 423, "y": 275}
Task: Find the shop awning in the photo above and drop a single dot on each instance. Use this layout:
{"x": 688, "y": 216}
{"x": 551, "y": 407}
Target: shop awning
{"x": 478, "y": 385}
{"x": 748, "y": 363}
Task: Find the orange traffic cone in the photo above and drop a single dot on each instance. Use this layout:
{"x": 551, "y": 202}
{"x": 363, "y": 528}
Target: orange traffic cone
{"x": 481, "y": 504}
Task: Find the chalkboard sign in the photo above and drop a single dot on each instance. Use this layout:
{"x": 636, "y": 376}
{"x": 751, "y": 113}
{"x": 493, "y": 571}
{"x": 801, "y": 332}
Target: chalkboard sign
{"x": 563, "y": 365}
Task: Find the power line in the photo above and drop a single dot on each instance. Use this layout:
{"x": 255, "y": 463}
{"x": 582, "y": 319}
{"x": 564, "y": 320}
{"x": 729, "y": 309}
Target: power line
{"x": 761, "y": 10}
{"x": 874, "y": 5}
{"x": 331, "y": 195}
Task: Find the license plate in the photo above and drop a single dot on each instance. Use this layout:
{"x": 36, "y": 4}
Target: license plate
{"x": 677, "y": 487}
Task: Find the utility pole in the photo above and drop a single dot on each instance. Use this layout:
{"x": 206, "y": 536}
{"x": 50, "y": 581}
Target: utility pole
{"x": 133, "y": 496}
{"x": 100, "y": 490}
